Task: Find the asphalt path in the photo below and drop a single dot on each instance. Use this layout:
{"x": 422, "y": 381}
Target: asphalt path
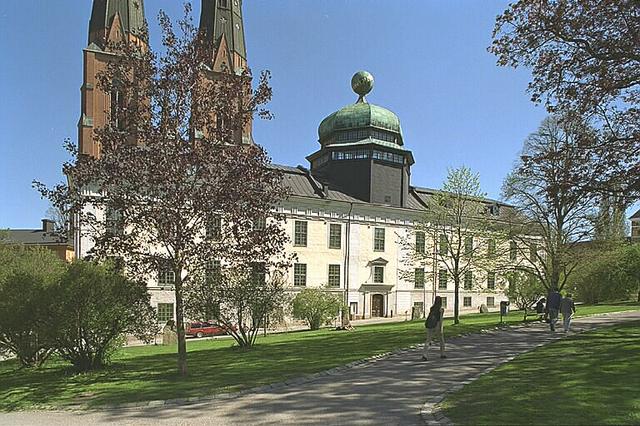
{"x": 388, "y": 391}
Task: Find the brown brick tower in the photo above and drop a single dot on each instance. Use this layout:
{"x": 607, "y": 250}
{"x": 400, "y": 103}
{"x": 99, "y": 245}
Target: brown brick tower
{"x": 221, "y": 22}
{"x": 111, "y": 21}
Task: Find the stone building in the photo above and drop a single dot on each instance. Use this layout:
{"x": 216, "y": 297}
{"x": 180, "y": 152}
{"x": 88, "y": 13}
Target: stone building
{"x": 348, "y": 209}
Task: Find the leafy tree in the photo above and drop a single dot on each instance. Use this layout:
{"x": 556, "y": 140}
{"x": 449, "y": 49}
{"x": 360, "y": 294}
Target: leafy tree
{"x": 316, "y": 306}
{"x": 93, "y": 308}
{"x": 26, "y": 279}
{"x": 240, "y": 300}
{"x": 524, "y": 290}
{"x": 171, "y": 191}
{"x": 609, "y": 272}
{"x": 585, "y": 58}
{"x": 464, "y": 228}
{"x": 553, "y": 213}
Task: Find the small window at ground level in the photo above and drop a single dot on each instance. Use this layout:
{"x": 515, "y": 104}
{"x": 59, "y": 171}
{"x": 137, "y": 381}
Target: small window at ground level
{"x": 491, "y": 302}
{"x": 466, "y": 302}
{"x": 444, "y": 302}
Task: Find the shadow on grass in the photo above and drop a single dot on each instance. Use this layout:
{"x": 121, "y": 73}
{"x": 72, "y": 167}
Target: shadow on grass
{"x": 591, "y": 378}
{"x": 149, "y": 373}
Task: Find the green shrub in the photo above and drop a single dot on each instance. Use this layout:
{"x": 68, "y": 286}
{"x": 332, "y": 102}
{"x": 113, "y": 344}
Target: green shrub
{"x": 94, "y": 308}
{"x": 26, "y": 281}
{"x": 316, "y": 307}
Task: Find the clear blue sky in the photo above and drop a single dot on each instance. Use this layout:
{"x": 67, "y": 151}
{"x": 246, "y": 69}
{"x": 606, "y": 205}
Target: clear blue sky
{"x": 428, "y": 58}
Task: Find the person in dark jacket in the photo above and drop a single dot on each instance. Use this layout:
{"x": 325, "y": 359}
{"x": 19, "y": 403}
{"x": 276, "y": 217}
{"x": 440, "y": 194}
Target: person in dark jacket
{"x": 435, "y": 327}
{"x": 553, "y": 307}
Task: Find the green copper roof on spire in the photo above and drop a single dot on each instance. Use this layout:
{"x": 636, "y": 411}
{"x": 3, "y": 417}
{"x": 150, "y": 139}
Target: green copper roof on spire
{"x": 220, "y": 17}
{"x": 362, "y": 114}
{"x": 131, "y": 15}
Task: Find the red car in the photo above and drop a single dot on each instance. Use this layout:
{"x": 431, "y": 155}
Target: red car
{"x": 201, "y": 329}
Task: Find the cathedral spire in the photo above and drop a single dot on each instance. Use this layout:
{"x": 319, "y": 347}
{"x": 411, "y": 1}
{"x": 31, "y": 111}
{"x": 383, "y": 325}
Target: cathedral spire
{"x": 115, "y": 18}
{"x": 221, "y": 22}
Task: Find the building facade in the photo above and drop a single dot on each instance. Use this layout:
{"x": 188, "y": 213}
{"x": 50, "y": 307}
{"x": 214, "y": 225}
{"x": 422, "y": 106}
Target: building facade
{"x": 349, "y": 211}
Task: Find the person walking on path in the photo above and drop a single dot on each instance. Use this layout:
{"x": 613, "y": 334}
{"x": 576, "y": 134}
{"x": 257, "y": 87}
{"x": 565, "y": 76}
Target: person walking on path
{"x": 553, "y": 307}
{"x": 567, "y": 309}
{"x": 435, "y": 327}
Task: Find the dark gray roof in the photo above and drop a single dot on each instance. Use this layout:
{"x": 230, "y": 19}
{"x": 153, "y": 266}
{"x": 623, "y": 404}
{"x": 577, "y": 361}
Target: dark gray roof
{"x": 636, "y": 215}
{"x": 302, "y": 183}
{"x": 32, "y": 236}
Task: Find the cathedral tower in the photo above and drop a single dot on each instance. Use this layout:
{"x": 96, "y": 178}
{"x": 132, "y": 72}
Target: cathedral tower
{"x": 111, "y": 21}
{"x": 222, "y": 25}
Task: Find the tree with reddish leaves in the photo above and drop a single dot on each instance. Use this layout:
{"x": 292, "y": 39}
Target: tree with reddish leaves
{"x": 172, "y": 191}
{"x": 585, "y": 59}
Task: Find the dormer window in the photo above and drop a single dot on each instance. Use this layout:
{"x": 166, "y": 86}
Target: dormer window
{"x": 224, "y": 4}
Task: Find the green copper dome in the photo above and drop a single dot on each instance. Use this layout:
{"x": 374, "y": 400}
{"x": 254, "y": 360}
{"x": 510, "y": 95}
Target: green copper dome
{"x": 373, "y": 120}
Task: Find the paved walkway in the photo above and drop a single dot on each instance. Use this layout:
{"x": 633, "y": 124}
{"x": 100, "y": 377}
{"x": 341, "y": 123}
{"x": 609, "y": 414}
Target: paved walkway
{"x": 389, "y": 391}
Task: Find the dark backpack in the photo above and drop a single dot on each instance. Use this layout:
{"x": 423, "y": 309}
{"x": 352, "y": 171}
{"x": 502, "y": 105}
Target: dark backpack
{"x": 432, "y": 319}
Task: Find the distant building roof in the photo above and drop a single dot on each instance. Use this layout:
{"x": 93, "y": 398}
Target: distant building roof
{"x": 44, "y": 236}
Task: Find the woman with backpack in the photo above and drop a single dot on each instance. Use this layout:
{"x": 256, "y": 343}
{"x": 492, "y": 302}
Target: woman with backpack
{"x": 434, "y": 326}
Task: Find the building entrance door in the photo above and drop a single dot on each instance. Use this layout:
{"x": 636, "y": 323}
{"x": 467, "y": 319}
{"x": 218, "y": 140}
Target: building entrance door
{"x": 377, "y": 305}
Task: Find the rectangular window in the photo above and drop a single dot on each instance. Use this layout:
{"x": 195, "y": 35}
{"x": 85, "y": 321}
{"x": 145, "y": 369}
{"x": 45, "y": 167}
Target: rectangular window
{"x": 353, "y": 308}
{"x": 300, "y": 235}
{"x": 260, "y": 224}
{"x": 335, "y": 236}
{"x": 491, "y": 302}
{"x": 378, "y": 239}
{"x": 114, "y": 222}
{"x": 334, "y": 276}
{"x": 468, "y": 246}
{"x": 442, "y": 279}
{"x": 468, "y": 280}
{"x": 491, "y": 280}
{"x": 444, "y": 245}
{"x": 166, "y": 275}
{"x": 300, "y": 274}
{"x": 533, "y": 252}
{"x": 420, "y": 242}
{"x": 214, "y": 227}
{"x": 491, "y": 247}
{"x": 419, "y": 278}
{"x": 213, "y": 271}
{"x": 444, "y": 302}
{"x": 165, "y": 312}
{"x": 466, "y": 302}
{"x": 259, "y": 272}
{"x": 378, "y": 274}
{"x": 513, "y": 250}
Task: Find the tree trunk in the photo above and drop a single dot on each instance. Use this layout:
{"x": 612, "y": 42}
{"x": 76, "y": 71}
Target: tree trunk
{"x": 456, "y": 299}
{"x": 182, "y": 342}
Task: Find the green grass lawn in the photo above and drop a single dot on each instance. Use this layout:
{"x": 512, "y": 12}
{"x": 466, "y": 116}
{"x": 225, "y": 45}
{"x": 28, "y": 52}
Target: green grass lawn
{"x": 587, "y": 379}
{"x": 216, "y": 366}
